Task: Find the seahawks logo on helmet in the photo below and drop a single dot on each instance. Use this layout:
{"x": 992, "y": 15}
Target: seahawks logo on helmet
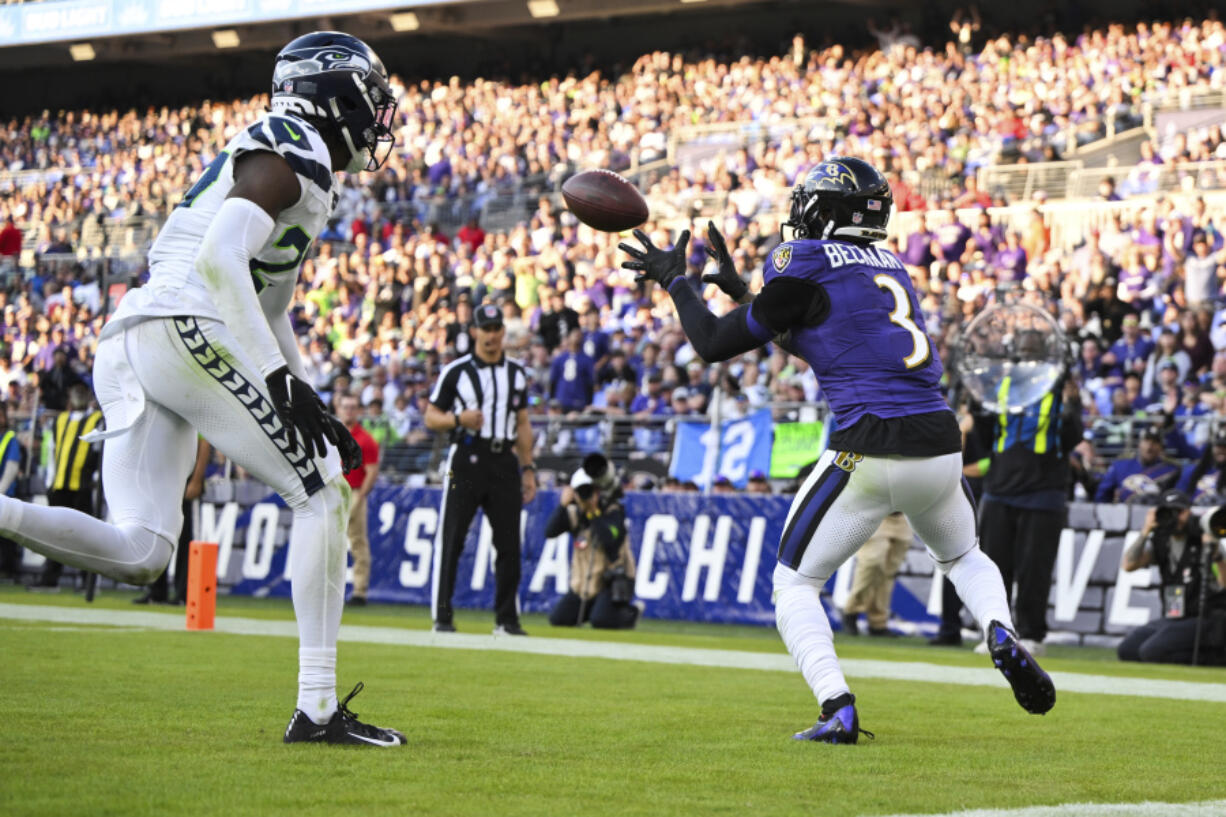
{"x": 313, "y": 61}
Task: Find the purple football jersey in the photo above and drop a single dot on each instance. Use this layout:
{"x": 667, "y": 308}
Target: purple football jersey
{"x": 869, "y": 353}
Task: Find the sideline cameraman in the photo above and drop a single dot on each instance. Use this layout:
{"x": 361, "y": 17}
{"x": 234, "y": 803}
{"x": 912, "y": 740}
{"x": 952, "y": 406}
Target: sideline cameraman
{"x": 601, "y": 565}
{"x": 1173, "y": 540}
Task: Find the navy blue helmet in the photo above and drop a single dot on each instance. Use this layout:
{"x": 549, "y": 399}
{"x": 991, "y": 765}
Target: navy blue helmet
{"x": 338, "y": 82}
{"x": 842, "y": 197}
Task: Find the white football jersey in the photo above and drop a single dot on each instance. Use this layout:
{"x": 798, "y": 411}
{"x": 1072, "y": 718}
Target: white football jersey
{"x": 174, "y": 287}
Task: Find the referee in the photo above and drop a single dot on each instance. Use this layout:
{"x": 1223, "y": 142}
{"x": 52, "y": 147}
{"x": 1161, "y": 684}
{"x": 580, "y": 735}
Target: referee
{"x": 480, "y": 400}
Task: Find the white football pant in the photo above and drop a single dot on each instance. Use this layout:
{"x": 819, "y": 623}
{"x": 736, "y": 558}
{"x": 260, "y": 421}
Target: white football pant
{"x": 837, "y": 509}
{"x": 164, "y": 380}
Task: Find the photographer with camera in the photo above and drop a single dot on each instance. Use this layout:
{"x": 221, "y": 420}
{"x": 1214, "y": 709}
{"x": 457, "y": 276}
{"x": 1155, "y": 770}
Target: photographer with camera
{"x": 1193, "y": 624}
{"x": 601, "y": 565}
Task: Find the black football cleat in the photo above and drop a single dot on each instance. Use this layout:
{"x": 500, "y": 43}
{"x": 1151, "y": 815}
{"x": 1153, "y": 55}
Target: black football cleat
{"x": 1031, "y": 685}
{"x": 344, "y": 729}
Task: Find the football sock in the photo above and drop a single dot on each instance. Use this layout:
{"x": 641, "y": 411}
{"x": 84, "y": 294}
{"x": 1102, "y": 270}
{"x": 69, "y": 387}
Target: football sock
{"x": 317, "y": 570}
{"x": 979, "y": 585}
{"x": 806, "y": 631}
{"x": 835, "y": 704}
{"x": 317, "y": 683}
{"x": 127, "y": 553}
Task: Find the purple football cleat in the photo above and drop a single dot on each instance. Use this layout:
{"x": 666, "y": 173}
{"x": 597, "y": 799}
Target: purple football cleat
{"x": 840, "y": 726}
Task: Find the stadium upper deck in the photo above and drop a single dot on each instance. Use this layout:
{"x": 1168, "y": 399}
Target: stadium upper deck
{"x": 386, "y": 288}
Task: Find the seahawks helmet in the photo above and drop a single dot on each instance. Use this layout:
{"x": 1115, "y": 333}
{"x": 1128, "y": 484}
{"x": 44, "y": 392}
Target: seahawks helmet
{"x": 338, "y": 83}
{"x": 842, "y": 197}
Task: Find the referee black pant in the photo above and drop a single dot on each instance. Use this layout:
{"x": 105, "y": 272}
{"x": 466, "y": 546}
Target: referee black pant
{"x": 479, "y": 478}
{"x": 1023, "y": 542}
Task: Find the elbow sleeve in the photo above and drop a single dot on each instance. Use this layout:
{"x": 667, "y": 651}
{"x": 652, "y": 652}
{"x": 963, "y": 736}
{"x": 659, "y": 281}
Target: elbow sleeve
{"x": 714, "y": 339}
{"x": 238, "y": 231}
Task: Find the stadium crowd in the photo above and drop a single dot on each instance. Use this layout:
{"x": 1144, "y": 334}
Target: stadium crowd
{"x": 387, "y": 297}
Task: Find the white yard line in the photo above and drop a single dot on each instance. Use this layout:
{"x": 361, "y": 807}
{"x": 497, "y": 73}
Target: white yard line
{"x": 1208, "y": 808}
{"x": 576, "y": 648}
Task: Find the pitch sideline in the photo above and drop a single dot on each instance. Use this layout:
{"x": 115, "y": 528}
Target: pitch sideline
{"x": 1206, "y": 808}
{"x": 616, "y": 651}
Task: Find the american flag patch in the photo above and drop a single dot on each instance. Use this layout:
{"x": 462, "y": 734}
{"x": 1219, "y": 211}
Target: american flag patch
{"x": 873, "y": 204}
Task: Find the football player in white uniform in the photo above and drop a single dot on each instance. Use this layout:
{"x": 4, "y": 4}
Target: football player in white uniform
{"x": 207, "y": 346}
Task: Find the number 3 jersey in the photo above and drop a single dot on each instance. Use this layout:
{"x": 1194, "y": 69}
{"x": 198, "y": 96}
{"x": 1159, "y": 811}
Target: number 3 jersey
{"x": 174, "y": 287}
{"x": 850, "y": 312}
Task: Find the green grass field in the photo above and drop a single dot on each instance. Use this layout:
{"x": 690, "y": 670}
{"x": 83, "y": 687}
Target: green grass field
{"x": 104, "y": 720}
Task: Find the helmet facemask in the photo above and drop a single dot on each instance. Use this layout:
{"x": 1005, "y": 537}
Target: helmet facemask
{"x": 370, "y": 147}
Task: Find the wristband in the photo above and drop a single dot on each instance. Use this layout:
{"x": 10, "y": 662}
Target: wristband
{"x": 457, "y": 420}
{"x": 983, "y": 465}
{"x": 529, "y": 467}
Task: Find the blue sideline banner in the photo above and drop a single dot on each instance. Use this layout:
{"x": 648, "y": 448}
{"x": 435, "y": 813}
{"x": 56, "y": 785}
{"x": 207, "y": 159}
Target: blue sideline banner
{"x": 743, "y": 446}
{"x": 700, "y": 558}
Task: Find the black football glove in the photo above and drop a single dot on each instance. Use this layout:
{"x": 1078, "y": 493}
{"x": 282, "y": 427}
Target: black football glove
{"x": 655, "y": 264}
{"x": 351, "y": 452}
{"x": 726, "y": 278}
{"x": 301, "y": 412}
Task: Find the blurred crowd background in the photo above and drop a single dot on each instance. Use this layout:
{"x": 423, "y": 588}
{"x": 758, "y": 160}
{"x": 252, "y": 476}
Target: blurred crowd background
{"x": 988, "y": 138}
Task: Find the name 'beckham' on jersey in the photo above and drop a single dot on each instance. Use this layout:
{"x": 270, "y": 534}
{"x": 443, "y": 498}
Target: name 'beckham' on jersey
{"x": 175, "y": 288}
{"x": 868, "y": 352}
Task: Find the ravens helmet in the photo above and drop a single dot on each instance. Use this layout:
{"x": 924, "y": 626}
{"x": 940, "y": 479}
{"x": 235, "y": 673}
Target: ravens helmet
{"x": 338, "y": 83}
{"x": 843, "y": 197}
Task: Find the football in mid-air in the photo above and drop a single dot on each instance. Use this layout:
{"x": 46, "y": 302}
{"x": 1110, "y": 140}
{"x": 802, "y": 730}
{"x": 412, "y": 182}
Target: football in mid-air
{"x": 604, "y": 201}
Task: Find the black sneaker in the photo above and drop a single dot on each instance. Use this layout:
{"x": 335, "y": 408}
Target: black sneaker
{"x": 357, "y": 601}
{"x": 509, "y": 629}
{"x": 444, "y": 627}
{"x": 343, "y": 730}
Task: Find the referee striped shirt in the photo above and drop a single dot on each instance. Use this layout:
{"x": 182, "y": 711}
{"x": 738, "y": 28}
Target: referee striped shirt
{"x": 499, "y": 390}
